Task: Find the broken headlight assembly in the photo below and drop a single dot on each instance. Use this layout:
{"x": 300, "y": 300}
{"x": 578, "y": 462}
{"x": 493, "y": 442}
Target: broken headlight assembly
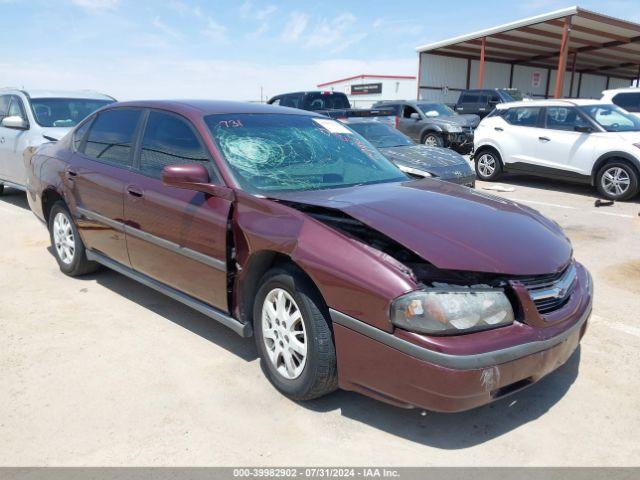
{"x": 452, "y": 310}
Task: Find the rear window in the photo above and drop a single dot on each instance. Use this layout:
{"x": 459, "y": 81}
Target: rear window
{"x": 630, "y": 101}
{"x": 469, "y": 98}
{"x": 523, "y": 116}
{"x": 111, "y": 136}
{"x": 325, "y": 101}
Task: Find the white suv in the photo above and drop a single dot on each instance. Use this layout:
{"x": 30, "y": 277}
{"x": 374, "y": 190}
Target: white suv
{"x": 627, "y": 98}
{"x": 30, "y": 118}
{"x": 584, "y": 141}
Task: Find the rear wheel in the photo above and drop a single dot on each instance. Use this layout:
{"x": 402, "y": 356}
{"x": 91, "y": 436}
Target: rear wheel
{"x": 293, "y": 336}
{"x": 67, "y": 244}
{"x": 433, "y": 140}
{"x": 488, "y": 165}
{"x": 617, "y": 181}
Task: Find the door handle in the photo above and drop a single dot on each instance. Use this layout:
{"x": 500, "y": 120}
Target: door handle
{"x": 134, "y": 191}
{"x": 544, "y": 139}
{"x": 498, "y": 129}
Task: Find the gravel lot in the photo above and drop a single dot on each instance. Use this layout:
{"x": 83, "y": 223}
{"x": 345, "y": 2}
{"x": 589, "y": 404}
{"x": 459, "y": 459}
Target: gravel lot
{"x": 104, "y": 371}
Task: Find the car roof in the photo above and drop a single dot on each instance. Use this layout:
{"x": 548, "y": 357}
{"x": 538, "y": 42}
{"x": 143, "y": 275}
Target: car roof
{"x": 211, "y": 107}
{"x": 562, "y": 102}
{"x": 613, "y": 91}
{"x": 42, "y": 93}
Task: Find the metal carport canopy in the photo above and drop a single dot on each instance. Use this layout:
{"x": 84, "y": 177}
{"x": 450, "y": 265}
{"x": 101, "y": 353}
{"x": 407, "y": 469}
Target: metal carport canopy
{"x": 573, "y": 39}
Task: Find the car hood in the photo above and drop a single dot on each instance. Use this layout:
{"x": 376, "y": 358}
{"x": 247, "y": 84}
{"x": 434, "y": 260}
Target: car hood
{"x": 54, "y": 133}
{"x": 452, "y": 227}
{"x": 460, "y": 120}
{"x": 441, "y": 162}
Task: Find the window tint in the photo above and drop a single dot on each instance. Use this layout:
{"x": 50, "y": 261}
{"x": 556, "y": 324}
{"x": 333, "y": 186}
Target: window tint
{"x": 470, "y": 98}
{"x": 629, "y": 101}
{"x": 79, "y": 134}
{"x": 15, "y": 108}
{"x": 523, "y": 116}
{"x": 4, "y": 105}
{"x": 111, "y": 136}
{"x": 168, "y": 140}
{"x": 290, "y": 101}
{"x": 325, "y": 101}
{"x": 564, "y": 118}
{"x": 408, "y": 111}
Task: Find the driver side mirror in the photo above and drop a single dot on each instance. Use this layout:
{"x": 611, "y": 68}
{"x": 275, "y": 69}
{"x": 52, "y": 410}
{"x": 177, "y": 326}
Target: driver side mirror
{"x": 583, "y": 129}
{"x": 415, "y": 116}
{"x": 431, "y": 114}
{"x": 194, "y": 176}
{"x": 15, "y": 122}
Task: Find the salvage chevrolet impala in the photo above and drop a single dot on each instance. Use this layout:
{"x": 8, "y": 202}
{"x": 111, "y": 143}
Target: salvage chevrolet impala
{"x": 290, "y": 227}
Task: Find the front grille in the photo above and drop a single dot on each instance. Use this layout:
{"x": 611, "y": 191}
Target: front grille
{"x": 550, "y": 292}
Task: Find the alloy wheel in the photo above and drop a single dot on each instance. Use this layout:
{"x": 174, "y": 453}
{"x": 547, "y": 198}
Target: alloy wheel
{"x": 63, "y": 238}
{"x": 615, "y": 181}
{"x": 431, "y": 141}
{"x": 486, "y": 164}
{"x": 284, "y": 334}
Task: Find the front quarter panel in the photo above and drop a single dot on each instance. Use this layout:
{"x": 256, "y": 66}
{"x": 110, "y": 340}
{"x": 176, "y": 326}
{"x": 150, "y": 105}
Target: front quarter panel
{"x": 351, "y": 277}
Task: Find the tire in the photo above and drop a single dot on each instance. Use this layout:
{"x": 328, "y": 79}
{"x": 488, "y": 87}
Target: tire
{"x": 1, "y": 188}
{"x": 432, "y": 139}
{"x": 488, "y": 165}
{"x": 67, "y": 245}
{"x": 617, "y": 181}
{"x": 298, "y": 379}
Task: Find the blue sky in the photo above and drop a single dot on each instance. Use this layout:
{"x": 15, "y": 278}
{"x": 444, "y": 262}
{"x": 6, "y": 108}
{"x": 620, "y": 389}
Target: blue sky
{"x": 229, "y": 49}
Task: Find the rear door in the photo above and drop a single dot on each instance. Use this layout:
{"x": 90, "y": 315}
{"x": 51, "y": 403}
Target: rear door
{"x": 519, "y": 136}
{"x": 176, "y": 236}
{"x": 96, "y": 176}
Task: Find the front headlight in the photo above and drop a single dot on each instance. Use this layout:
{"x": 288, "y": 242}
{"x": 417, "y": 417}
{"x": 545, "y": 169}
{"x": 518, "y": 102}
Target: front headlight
{"x": 450, "y": 311}
{"x": 454, "y": 129}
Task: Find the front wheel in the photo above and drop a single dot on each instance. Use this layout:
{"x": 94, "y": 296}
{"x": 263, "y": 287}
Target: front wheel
{"x": 617, "y": 181}
{"x": 488, "y": 165}
{"x": 67, "y": 244}
{"x": 433, "y": 140}
{"x": 293, "y": 336}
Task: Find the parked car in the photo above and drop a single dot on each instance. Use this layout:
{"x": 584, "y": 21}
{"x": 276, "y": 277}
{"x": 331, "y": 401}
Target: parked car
{"x": 29, "y": 118}
{"x": 286, "y": 225}
{"x": 482, "y": 101}
{"x": 627, "y": 98}
{"x": 417, "y": 161}
{"x": 433, "y": 124}
{"x": 582, "y": 141}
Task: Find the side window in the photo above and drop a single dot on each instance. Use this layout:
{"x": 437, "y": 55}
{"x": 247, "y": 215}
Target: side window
{"x": 408, "y": 110}
{"x": 629, "y": 101}
{"x": 290, "y": 101}
{"x": 523, "y": 116}
{"x": 15, "y": 108}
{"x": 276, "y": 102}
{"x": 79, "y": 135}
{"x": 483, "y": 99}
{"x": 4, "y": 105}
{"x": 494, "y": 98}
{"x": 169, "y": 140}
{"x": 563, "y": 118}
{"x": 111, "y": 136}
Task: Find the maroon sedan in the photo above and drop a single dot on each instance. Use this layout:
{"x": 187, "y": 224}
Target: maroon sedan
{"x": 288, "y": 226}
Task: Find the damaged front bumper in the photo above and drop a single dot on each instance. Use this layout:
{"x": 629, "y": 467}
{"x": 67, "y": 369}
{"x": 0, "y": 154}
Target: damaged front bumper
{"x": 393, "y": 368}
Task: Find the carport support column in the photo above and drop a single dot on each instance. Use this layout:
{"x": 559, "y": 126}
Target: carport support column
{"x": 562, "y": 60}
{"x": 480, "y": 81}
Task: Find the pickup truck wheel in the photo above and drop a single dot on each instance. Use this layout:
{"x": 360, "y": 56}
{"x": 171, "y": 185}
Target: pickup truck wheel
{"x": 67, "y": 244}
{"x": 433, "y": 140}
{"x": 293, "y": 336}
{"x": 488, "y": 165}
{"x": 617, "y": 181}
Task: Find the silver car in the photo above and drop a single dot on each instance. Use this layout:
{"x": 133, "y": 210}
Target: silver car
{"x": 30, "y": 118}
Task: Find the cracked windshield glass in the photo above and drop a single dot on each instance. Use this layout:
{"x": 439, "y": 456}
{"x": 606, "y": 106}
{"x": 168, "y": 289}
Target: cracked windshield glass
{"x": 273, "y": 152}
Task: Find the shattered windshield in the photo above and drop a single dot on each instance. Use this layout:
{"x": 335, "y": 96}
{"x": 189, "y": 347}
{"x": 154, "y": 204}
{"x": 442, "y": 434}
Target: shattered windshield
{"x": 276, "y": 152}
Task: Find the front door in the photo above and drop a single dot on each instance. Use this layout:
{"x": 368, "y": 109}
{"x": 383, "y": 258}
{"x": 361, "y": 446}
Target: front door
{"x": 176, "y": 236}
{"x": 410, "y": 126}
{"x": 96, "y": 177}
{"x": 13, "y": 141}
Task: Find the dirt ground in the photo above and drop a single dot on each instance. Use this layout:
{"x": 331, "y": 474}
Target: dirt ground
{"x": 104, "y": 371}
